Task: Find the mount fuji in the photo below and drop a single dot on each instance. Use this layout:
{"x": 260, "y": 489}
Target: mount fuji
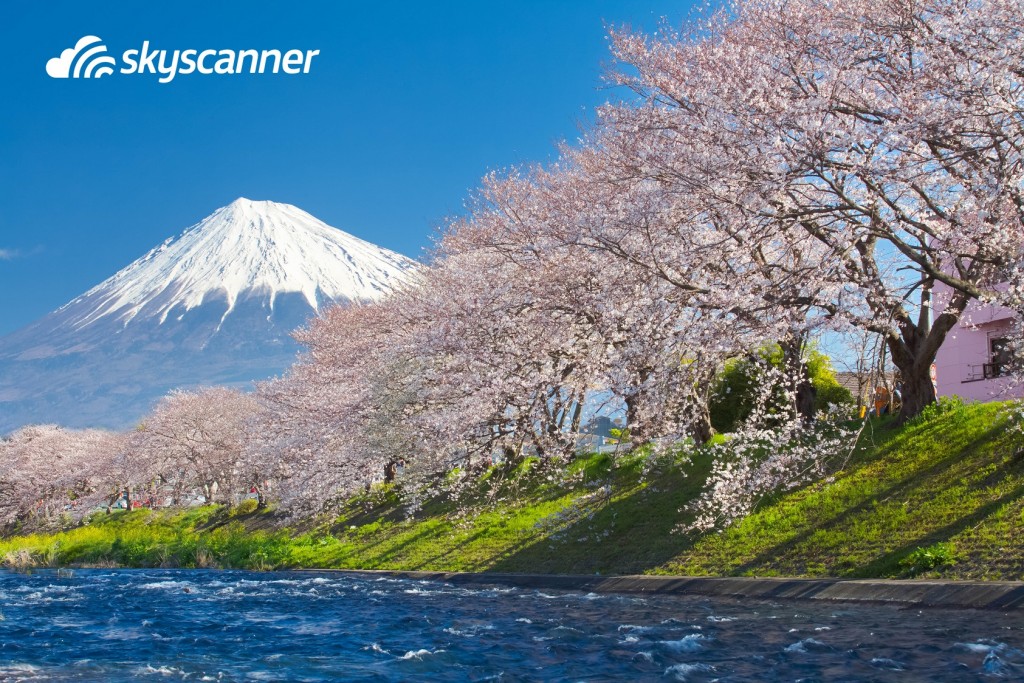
{"x": 212, "y": 306}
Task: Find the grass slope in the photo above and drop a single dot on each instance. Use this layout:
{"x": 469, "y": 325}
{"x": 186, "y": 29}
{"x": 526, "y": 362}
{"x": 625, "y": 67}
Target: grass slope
{"x": 942, "y": 496}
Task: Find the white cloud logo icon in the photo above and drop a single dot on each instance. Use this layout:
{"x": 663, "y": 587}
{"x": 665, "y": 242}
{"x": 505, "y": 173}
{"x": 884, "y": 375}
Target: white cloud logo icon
{"x": 87, "y": 59}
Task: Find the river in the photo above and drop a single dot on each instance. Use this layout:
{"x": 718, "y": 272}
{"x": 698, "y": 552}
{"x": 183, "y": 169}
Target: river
{"x": 199, "y": 625}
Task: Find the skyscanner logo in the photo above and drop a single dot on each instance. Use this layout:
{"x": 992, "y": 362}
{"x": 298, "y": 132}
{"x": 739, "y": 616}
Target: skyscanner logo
{"x": 89, "y": 59}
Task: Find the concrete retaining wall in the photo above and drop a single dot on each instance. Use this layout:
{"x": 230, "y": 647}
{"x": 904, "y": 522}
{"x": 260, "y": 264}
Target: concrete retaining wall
{"x": 995, "y": 595}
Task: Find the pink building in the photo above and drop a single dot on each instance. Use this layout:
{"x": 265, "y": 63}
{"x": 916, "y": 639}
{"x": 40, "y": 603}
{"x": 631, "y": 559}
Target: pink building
{"x": 971, "y": 362}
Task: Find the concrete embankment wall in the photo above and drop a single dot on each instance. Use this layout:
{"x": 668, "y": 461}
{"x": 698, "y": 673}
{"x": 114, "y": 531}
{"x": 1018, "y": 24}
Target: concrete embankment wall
{"x": 995, "y": 595}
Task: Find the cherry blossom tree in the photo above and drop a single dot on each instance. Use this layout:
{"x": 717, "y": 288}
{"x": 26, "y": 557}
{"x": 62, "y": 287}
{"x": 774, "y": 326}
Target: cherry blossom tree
{"x": 888, "y": 133}
{"x": 336, "y": 420}
{"x": 193, "y": 441}
{"x": 791, "y": 166}
{"x": 636, "y": 335}
{"x": 47, "y": 471}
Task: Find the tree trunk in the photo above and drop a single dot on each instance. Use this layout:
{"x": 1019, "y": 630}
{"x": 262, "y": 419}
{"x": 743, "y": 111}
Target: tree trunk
{"x": 913, "y": 353}
{"x": 804, "y": 393}
{"x": 917, "y": 391}
{"x": 512, "y": 456}
{"x": 636, "y": 429}
{"x": 577, "y": 416}
{"x": 700, "y": 426}
{"x": 632, "y": 415}
{"x": 806, "y": 398}
{"x": 914, "y": 344}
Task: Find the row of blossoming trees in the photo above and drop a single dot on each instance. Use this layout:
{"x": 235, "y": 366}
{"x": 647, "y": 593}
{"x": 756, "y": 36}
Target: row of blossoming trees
{"x": 783, "y": 167}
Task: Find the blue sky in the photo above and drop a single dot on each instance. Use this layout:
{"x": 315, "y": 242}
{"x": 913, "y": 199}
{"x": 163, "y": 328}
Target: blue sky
{"x": 406, "y": 107}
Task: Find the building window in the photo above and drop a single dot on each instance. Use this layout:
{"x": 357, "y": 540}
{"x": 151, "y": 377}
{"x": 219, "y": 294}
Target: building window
{"x": 1000, "y": 357}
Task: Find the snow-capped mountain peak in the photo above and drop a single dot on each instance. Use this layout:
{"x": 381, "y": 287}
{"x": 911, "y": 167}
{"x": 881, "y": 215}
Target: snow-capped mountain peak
{"x": 215, "y": 305}
{"x": 247, "y": 247}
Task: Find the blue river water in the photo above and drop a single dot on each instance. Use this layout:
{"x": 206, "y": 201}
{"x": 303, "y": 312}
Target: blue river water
{"x": 103, "y": 625}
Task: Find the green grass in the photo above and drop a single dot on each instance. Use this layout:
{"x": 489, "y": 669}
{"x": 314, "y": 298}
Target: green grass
{"x": 954, "y": 477}
{"x": 940, "y": 497}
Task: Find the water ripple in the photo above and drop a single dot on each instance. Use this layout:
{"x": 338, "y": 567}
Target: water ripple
{"x": 101, "y": 625}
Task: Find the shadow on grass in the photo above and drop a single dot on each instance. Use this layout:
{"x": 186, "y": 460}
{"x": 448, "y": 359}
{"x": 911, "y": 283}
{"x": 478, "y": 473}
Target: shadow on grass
{"x": 888, "y": 564}
{"x": 380, "y": 551}
{"x": 633, "y": 532}
{"x": 637, "y": 532}
{"x": 916, "y": 479}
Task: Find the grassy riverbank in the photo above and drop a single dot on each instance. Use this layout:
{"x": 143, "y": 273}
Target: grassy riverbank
{"x": 943, "y": 497}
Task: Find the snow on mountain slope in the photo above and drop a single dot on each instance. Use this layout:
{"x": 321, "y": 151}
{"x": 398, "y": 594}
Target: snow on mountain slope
{"x": 246, "y": 246}
{"x": 214, "y": 305}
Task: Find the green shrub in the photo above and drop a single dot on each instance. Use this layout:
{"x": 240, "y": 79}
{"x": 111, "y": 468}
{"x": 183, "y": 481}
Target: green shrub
{"x": 947, "y": 405}
{"x": 619, "y": 434}
{"x": 246, "y": 507}
{"x": 592, "y": 465}
{"x": 368, "y": 529}
{"x": 831, "y": 393}
{"x": 524, "y": 467}
{"x": 927, "y": 559}
{"x": 733, "y": 395}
